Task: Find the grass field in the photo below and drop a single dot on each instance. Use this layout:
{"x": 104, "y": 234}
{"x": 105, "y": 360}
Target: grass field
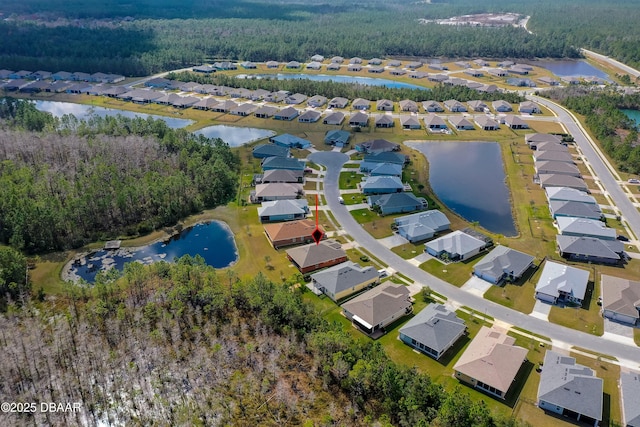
{"x": 409, "y": 250}
{"x": 456, "y": 273}
{"x": 587, "y": 317}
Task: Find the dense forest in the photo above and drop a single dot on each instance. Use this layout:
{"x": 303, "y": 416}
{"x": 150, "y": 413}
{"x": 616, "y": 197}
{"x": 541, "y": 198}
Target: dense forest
{"x": 181, "y": 344}
{"x": 616, "y": 132}
{"x": 332, "y": 89}
{"x": 67, "y": 182}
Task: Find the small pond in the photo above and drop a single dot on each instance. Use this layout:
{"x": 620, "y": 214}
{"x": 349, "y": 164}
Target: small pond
{"x": 81, "y": 111}
{"x": 370, "y": 81}
{"x": 566, "y": 68}
{"x": 633, "y": 115}
{"x": 469, "y": 178}
{"x": 213, "y": 241}
{"x": 235, "y": 136}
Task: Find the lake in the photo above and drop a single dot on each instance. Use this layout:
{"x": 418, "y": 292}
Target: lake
{"x": 369, "y": 81}
{"x": 565, "y": 68}
{"x": 233, "y": 135}
{"x": 633, "y": 115}
{"x": 469, "y": 178}
{"x": 213, "y": 241}
{"x": 81, "y": 111}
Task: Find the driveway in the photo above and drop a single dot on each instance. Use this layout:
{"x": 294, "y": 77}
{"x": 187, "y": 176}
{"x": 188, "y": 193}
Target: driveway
{"x": 334, "y": 161}
{"x": 393, "y": 241}
{"x": 476, "y": 286}
{"x": 541, "y": 310}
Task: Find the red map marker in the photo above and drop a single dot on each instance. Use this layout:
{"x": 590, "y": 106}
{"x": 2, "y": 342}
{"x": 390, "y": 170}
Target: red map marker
{"x": 317, "y": 233}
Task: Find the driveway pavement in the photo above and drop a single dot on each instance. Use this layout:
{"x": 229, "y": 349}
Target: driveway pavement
{"x": 334, "y": 161}
{"x": 476, "y": 286}
{"x": 541, "y": 310}
{"x": 393, "y": 241}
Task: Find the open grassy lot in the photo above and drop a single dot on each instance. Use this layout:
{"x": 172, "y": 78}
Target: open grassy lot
{"x": 354, "y": 199}
{"x": 518, "y": 295}
{"x": 456, "y": 273}
{"x": 408, "y": 250}
{"x": 364, "y": 215}
{"x": 349, "y": 180}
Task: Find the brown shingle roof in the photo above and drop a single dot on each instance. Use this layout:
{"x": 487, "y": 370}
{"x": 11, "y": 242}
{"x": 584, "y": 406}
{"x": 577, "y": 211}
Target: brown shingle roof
{"x": 289, "y": 230}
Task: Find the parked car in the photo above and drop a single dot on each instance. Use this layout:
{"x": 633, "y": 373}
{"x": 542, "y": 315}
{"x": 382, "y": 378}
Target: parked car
{"x": 634, "y": 181}
{"x": 382, "y": 273}
{"x": 341, "y": 200}
{"x": 622, "y": 238}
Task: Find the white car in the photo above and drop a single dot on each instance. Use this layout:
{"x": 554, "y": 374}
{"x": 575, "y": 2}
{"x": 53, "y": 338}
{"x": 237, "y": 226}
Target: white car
{"x": 634, "y": 181}
{"x": 382, "y": 273}
{"x": 341, "y": 200}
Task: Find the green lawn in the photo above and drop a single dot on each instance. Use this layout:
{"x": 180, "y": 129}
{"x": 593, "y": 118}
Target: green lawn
{"x": 354, "y": 199}
{"x": 456, "y": 273}
{"x": 349, "y": 180}
{"x": 518, "y": 295}
{"x": 636, "y": 336}
{"x": 351, "y": 166}
{"x": 364, "y": 215}
{"x": 586, "y": 318}
{"x": 408, "y": 250}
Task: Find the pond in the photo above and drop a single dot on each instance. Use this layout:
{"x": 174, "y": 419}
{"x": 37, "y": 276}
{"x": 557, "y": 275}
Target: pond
{"x": 566, "y": 68}
{"x": 213, "y": 241}
{"x": 369, "y": 81}
{"x": 469, "y": 178}
{"x": 81, "y": 111}
{"x": 235, "y": 136}
{"x": 633, "y": 115}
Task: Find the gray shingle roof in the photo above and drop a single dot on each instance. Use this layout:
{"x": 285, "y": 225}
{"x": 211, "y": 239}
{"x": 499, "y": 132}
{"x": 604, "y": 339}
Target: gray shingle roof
{"x": 283, "y": 207}
{"x": 379, "y": 303}
{"x": 630, "y": 388}
{"x": 433, "y": 218}
{"x": 557, "y": 277}
{"x": 575, "y": 209}
{"x": 570, "y": 195}
{"x": 569, "y": 385}
{"x": 456, "y": 243}
{"x": 434, "y": 326}
{"x": 312, "y": 254}
{"x": 344, "y": 276}
{"x": 585, "y": 227}
{"x": 271, "y": 150}
{"x": 590, "y": 246}
{"x": 504, "y": 260}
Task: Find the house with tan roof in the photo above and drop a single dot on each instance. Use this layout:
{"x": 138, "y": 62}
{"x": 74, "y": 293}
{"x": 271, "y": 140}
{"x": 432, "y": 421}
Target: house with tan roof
{"x": 487, "y": 123}
{"x": 384, "y": 105}
{"x": 491, "y": 362}
{"x": 620, "y": 299}
{"x": 515, "y": 122}
{"x": 361, "y": 104}
{"x": 373, "y": 310}
{"x": 290, "y": 233}
{"x": 338, "y": 102}
{"x": 460, "y": 123}
{"x": 408, "y": 105}
{"x": 313, "y": 257}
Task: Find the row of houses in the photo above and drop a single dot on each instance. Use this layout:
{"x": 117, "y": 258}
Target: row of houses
{"x": 61, "y": 76}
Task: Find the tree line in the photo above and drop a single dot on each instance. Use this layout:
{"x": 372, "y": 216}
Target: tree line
{"x": 615, "y": 131}
{"x": 77, "y": 181}
{"x": 181, "y": 343}
{"x": 331, "y": 89}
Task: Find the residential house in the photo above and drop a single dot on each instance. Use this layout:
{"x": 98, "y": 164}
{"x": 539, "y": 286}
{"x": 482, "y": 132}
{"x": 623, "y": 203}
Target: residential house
{"x": 375, "y": 146}
{"x": 384, "y": 121}
{"x": 583, "y": 227}
{"x": 290, "y": 141}
{"x": 551, "y": 146}
{"x": 480, "y": 63}
{"x": 533, "y": 139}
{"x": 433, "y": 331}
{"x": 338, "y": 138}
{"x": 313, "y": 257}
{"x": 276, "y": 97}
{"x": 566, "y": 208}
{"x": 556, "y": 180}
{"x": 385, "y": 169}
{"x": 377, "y": 308}
{"x": 354, "y": 67}
{"x": 225, "y": 106}
{"x": 270, "y": 150}
{"x": 408, "y": 105}
{"x": 283, "y": 210}
{"x": 337, "y": 60}
{"x": 553, "y": 155}
{"x": 473, "y": 72}
{"x": 416, "y": 64}
{"x": 397, "y": 72}
{"x": 562, "y": 283}
{"x": 265, "y": 112}
{"x": 314, "y": 65}
{"x": 204, "y": 69}
{"x": 375, "y": 70}
{"x": 258, "y": 94}
{"x": 334, "y": 66}
{"x": 244, "y": 109}
{"x": 78, "y": 76}
{"x": 381, "y": 185}
{"x": 491, "y": 362}
{"x": 487, "y": 88}
{"x": 515, "y": 122}
{"x": 394, "y": 63}
{"x": 571, "y": 80}
{"x": 295, "y": 99}
{"x": 338, "y": 102}
{"x": 455, "y": 106}
{"x": 317, "y": 58}
{"x": 384, "y": 105}
{"x": 60, "y": 75}
{"x": 503, "y": 263}
{"x": 570, "y": 389}
{"x": 288, "y": 163}
{"x": 565, "y": 194}
{"x": 293, "y": 65}
{"x": 361, "y": 104}
{"x": 410, "y": 122}
{"x": 282, "y": 175}
{"x": 281, "y": 234}
{"x": 505, "y": 64}
{"x": 422, "y": 225}
{"x": 204, "y": 103}
{"x": 309, "y": 116}
{"x": 621, "y": 300}
{"x": 225, "y": 66}
{"x": 502, "y": 106}
{"x": 497, "y": 72}
{"x": 317, "y": 101}
{"x": 559, "y": 168}
{"x": 478, "y": 106}
{"x": 438, "y": 78}
{"x": 343, "y": 280}
{"x": 286, "y": 114}
{"x": 548, "y": 81}
{"x": 276, "y": 191}
{"x": 335, "y": 119}
{"x": 393, "y": 203}
{"x": 630, "y": 398}
{"x": 529, "y": 107}
{"x": 456, "y": 246}
{"x": 359, "y": 119}
{"x": 487, "y": 123}
{"x": 590, "y": 249}
{"x": 462, "y": 64}
{"x": 42, "y": 75}
{"x": 272, "y": 64}
{"x": 432, "y": 107}
{"x": 371, "y": 160}
{"x": 520, "y": 82}
{"x": 460, "y": 123}
{"x": 375, "y": 61}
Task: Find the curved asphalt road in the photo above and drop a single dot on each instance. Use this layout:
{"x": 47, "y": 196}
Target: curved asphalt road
{"x": 333, "y": 162}
{"x": 603, "y": 173}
